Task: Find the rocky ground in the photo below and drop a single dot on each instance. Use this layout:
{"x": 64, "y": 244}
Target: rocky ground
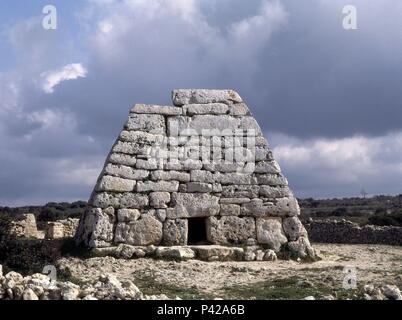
{"x": 378, "y": 276}
{"x": 378, "y": 268}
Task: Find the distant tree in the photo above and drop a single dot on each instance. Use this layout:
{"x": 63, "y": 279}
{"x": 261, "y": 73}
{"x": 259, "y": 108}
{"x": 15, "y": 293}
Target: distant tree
{"x": 364, "y": 193}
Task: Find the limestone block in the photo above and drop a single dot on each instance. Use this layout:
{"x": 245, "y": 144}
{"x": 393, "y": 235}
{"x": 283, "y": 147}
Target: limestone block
{"x": 199, "y": 187}
{"x": 237, "y": 178}
{"x": 175, "y": 253}
{"x": 175, "y": 232}
{"x": 203, "y": 176}
{"x": 262, "y": 154}
{"x": 293, "y": 228}
{"x": 274, "y": 192}
{"x": 148, "y": 164}
{"x": 230, "y": 210}
{"x": 159, "y": 200}
{"x": 218, "y": 253}
{"x": 239, "y": 109}
{"x": 131, "y": 148}
{"x": 272, "y": 180}
{"x": 240, "y": 191}
{"x": 188, "y": 205}
{"x": 205, "y": 125}
{"x": 114, "y": 184}
{"x": 230, "y": 229}
{"x": 161, "y": 215}
{"x": 163, "y": 186}
{"x": 270, "y": 232}
{"x": 126, "y": 172}
{"x": 301, "y": 248}
{"x": 125, "y": 200}
{"x": 170, "y": 175}
{"x": 122, "y": 159}
{"x": 154, "y": 109}
{"x": 271, "y": 167}
{"x": 234, "y": 200}
{"x": 224, "y": 167}
{"x": 211, "y": 108}
{"x": 143, "y": 232}
{"x": 250, "y": 124}
{"x": 281, "y": 207}
{"x": 101, "y": 223}
{"x": 128, "y": 215}
{"x": 151, "y": 123}
{"x": 203, "y": 96}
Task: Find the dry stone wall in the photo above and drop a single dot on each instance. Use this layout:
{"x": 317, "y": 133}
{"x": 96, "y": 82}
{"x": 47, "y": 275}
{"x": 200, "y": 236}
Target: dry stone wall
{"x": 343, "y": 231}
{"x": 206, "y": 158}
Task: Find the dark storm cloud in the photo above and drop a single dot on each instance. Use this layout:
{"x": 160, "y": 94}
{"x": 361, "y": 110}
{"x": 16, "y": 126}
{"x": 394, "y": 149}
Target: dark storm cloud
{"x": 301, "y": 73}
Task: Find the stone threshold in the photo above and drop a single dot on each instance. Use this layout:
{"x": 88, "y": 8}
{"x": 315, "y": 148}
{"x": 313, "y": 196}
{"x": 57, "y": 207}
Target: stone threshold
{"x": 207, "y": 253}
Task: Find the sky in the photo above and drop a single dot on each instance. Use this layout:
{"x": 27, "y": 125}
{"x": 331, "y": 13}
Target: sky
{"x": 329, "y": 100}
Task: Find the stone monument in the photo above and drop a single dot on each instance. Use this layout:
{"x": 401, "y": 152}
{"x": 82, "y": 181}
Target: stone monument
{"x": 199, "y": 172}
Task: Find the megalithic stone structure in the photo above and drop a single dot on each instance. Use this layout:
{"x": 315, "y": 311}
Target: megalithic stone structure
{"x": 198, "y": 172}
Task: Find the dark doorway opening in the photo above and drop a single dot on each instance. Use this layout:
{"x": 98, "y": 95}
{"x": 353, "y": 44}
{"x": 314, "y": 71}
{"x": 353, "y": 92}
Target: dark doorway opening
{"x": 197, "y": 231}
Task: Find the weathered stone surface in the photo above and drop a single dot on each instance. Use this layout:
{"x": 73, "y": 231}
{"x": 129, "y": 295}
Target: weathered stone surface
{"x": 250, "y": 124}
{"x": 293, "y": 228}
{"x": 131, "y": 148}
{"x": 218, "y": 253}
{"x": 237, "y": 178}
{"x": 234, "y": 200}
{"x": 230, "y": 210}
{"x": 262, "y": 154}
{"x": 188, "y": 205}
{"x": 203, "y": 96}
{"x": 155, "y": 109}
{"x": 267, "y": 167}
{"x": 206, "y": 125}
{"x": 279, "y": 207}
{"x": 175, "y": 232}
{"x": 199, "y": 187}
{"x": 126, "y": 172}
{"x": 151, "y": 123}
{"x": 114, "y": 184}
{"x": 204, "y": 176}
{"x": 125, "y": 200}
{"x": 166, "y": 186}
{"x": 270, "y": 255}
{"x": 270, "y": 232}
{"x": 122, "y": 159}
{"x": 143, "y": 232}
{"x": 128, "y": 215}
{"x": 175, "y": 253}
{"x": 141, "y": 139}
{"x": 272, "y": 180}
{"x": 170, "y": 175}
{"x": 97, "y": 227}
{"x": 125, "y": 251}
{"x": 301, "y": 248}
{"x": 230, "y": 229}
{"x": 274, "y": 192}
{"x": 149, "y": 164}
{"x": 159, "y": 200}
{"x": 239, "y": 109}
{"x": 211, "y": 108}
{"x": 161, "y": 215}
{"x": 240, "y": 191}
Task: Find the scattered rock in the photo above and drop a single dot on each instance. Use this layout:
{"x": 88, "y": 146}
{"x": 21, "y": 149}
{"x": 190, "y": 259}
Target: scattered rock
{"x": 392, "y": 292}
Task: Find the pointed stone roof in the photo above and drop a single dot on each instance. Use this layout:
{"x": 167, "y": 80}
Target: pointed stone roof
{"x": 198, "y": 170}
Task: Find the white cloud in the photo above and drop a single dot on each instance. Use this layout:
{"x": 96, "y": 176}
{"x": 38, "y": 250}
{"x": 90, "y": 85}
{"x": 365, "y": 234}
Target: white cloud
{"x": 51, "y": 79}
